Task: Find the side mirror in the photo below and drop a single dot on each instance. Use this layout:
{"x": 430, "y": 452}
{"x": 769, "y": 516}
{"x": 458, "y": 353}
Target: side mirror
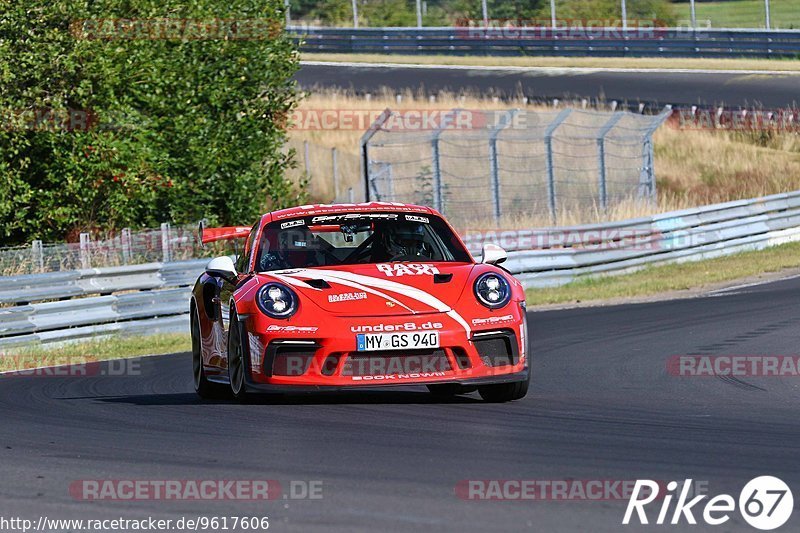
{"x": 493, "y": 254}
{"x": 222, "y": 267}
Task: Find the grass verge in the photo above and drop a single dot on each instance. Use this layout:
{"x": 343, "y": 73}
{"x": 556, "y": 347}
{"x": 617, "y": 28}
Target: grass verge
{"x": 677, "y": 277}
{"x": 568, "y": 62}
{"x": 91, "y": 351}
{"x": 744, "y": 13}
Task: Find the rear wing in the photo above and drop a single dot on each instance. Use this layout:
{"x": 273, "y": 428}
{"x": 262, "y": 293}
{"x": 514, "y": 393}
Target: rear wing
{"x": 227, "y": 233}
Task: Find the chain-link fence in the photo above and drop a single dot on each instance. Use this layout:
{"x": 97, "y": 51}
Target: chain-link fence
{"x": 332, "y": 175}
{"x": 125, "y": 248}
{"x": 477, "y": 166}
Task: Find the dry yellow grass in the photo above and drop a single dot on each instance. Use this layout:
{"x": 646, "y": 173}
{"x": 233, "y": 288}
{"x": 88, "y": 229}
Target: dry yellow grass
{"x": 692, "y": 167}
{"x": 787, "y": 65}
{"x": 702, "y": 167}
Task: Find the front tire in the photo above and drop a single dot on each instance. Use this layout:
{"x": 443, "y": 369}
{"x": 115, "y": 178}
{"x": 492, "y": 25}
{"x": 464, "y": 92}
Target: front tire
{"x": 505, "y": 392}
{"x": 237, "y": 364}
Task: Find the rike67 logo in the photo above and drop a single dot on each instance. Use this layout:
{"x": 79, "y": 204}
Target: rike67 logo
{"x": 765, "y": 503}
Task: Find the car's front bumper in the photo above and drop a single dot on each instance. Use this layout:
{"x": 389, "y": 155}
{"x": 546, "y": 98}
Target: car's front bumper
{"x": 326, "y": 357}
{"x": 472, "y": 382}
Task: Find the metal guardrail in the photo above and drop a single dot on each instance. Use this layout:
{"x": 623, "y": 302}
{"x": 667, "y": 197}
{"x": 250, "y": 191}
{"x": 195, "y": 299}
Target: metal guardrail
{"x": 149, "y": 298}
{"x": 613, "y": 42}
{"x": 69, "y": 284}
{"x": 155, "y": 297}
{"x": 556, "y": 256}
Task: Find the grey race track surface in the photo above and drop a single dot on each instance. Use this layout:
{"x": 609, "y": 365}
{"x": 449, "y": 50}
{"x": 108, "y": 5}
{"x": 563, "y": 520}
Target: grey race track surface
{"x": 602, "y": 406}
{"x": 679, "y": 89}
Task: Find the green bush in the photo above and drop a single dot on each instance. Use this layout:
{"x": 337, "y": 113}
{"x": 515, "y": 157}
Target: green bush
{"x": 449, "y": 12}
{"x": 643, "y": 10}
{"x": 179, "y": 127}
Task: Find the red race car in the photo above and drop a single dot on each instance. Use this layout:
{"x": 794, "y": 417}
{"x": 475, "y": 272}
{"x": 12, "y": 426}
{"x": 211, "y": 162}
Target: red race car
{"x": 357, "y": 295}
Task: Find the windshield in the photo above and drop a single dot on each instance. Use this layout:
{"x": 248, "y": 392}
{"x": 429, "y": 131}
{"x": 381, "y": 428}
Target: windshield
{"x": 357, "y": 238}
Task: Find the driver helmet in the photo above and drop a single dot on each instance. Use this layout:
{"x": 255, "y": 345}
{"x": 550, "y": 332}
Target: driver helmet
{"x": 404, "y": 239}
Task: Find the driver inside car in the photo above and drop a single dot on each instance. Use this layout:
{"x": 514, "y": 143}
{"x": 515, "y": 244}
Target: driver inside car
{"x": 402, "y": 242}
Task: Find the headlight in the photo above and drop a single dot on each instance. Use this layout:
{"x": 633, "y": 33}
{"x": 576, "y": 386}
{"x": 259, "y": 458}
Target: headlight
{"x": 276, "y": 300}
{"x": 492, "y": 290}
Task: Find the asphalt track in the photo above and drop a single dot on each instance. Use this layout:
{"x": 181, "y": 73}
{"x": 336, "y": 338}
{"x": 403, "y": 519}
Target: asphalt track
{"x": 602, "y": 406}
{"x": 769, "y": 90}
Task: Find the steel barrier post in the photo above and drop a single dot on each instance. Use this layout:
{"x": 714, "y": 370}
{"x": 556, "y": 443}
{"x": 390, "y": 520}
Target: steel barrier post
{"x": 306, "y": 158}
{"x": 127, "y": 255}
{"x": 335, "y": 164}
{"x": 37, "y": 255}
{"x": 365, "y": 139}
{"x": 647, "y": 176}
{"x": 601, "y": 158}
{"x": 766, "y": 15}
{"x": 494, "y": 169}
{"x": 437, "y": 172}
{"x": 624, "y": 15}
{"x": 86, "y": 261}
{"x": 548, "y": 146}
{"x": 165, "y": 251}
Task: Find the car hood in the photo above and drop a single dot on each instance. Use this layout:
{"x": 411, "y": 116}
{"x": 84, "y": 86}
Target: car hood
{"x": 387, "y": 289}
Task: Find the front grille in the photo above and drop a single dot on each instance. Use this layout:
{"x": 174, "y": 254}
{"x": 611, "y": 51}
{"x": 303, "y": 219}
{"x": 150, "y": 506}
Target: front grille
{"x": 462, "y": 358}
{"x": 498, "y": 349}
{"x": 388, "y": 363}
{"x": 286, "y": 359}
{"x": 330, "y": 364}
{"x": 290, "y": 363}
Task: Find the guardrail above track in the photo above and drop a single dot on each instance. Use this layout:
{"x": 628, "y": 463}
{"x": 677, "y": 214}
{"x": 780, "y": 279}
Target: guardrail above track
{"x": 69, "y": 284}
{"x": 155, "y": 297}
{"x": 599, "y": 42}
{"x": 555, "y": 256}
{"x": 81, "y": 304}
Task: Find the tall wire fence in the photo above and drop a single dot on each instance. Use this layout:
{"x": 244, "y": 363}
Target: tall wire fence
{"x": 511, "y": 165}
{"x": 166, "y": 243}
{"x": 331, "y": 175}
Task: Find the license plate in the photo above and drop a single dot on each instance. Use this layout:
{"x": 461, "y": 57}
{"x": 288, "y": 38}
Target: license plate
{"x": 368, "y": 342}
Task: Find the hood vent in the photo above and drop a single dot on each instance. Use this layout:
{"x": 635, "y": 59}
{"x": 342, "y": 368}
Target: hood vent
{"x": 318, "y": 283}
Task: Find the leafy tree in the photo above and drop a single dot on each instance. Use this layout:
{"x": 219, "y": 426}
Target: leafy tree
{"x": 448, "y": 12}
{"x": 645, "y": 10}
{"x": 334, "y": 12}
{"x": 500, "y": 9}
{"x": 390, "y": 13}
{"x": 169, "y": 127}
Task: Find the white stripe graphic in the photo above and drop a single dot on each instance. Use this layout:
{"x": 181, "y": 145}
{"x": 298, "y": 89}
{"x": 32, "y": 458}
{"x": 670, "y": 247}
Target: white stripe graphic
{"x": 385, "y": 284}
{"x": 298, "y": 283}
